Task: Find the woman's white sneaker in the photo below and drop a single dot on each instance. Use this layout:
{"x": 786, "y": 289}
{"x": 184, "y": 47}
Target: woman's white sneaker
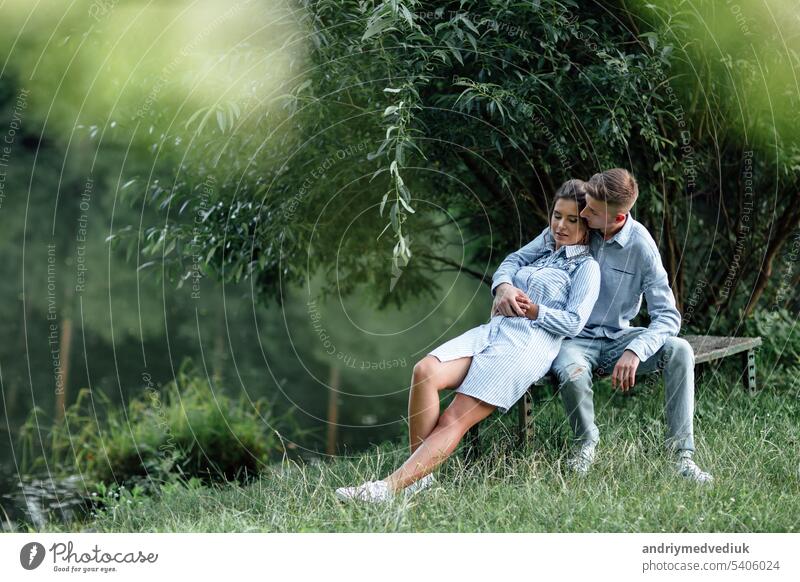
{"x": 424, "y": 483}
{"x": 370, "y": 492}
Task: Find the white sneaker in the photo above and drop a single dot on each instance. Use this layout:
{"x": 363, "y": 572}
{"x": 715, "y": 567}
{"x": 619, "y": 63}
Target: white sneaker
{"x": 424, "y": 483}
{"x": 370, "y": 492}
{"x": 582, "y": 458}
{"x": 687, "y": 469}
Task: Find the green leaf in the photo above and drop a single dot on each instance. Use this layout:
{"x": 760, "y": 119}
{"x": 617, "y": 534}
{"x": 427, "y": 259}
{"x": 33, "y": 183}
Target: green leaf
{"x": 398, "y": 152}
{"x": 393, "y": 218}
{"x": 377, "y": 172}
{"x": 376, "y": 26}
{"x": 194, "y": 116}
{"x": 372, "y": 155}
{"x": 407, "y": 15}
{"x": 405, "y": 204}
{"x": 455, "y": 52}
{"x": 469, "y": 24}
{"x": 652, "y": 39}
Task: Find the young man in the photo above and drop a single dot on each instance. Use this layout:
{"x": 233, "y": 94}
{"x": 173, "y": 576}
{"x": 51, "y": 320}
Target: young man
{"x": 630, "y": 266}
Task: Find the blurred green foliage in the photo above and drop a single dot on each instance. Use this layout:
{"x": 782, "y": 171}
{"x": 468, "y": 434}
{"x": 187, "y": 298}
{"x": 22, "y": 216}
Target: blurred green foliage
{"x": 187, "y": 427}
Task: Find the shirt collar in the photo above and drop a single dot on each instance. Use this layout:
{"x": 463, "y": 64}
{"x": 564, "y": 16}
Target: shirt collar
{"x": 575, "y": 250}
{"x": 623, "y": 236}
{"x": 549, "y": 241}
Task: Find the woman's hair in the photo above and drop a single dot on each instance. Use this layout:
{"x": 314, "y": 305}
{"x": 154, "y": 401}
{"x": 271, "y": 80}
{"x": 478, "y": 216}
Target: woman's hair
{"x": 574, "y": 190}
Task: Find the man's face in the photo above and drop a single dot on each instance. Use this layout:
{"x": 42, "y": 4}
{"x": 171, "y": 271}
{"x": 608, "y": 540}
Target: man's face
{"x": 600, "y": 215}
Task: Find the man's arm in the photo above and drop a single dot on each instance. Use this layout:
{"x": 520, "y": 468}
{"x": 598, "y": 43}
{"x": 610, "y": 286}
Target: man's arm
{"x": 665, "y": 320}
{"x": 524, "y": 256}
{"x": 583, "y": 294}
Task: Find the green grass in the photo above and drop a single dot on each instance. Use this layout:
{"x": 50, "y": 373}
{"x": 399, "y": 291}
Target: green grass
{"x": 750, "y": 444}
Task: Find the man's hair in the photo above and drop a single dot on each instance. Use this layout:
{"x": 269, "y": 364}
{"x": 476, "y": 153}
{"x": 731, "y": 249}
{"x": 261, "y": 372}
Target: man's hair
{"x": 616, "y": 187}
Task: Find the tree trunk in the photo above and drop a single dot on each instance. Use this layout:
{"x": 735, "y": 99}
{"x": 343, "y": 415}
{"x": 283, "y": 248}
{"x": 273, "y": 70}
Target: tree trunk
{"x": 333, "y": 411}
{"x": 64, "y": 349}
{"x": 219, "y": 348}
{"x": 672, "y": 259}
{"x": 784, "y": 227}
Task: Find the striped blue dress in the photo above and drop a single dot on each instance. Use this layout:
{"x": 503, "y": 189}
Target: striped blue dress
{"x": 510, "y": 353}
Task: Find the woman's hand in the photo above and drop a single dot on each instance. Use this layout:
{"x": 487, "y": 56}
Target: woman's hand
{"x": 532, "y": 311}
{"x": 510, "y": 301}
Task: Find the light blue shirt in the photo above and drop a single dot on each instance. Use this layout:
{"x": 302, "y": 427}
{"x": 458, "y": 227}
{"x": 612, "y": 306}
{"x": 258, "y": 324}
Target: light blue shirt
{"x": 564, "y": 284}
{"x": 630, "y": 267}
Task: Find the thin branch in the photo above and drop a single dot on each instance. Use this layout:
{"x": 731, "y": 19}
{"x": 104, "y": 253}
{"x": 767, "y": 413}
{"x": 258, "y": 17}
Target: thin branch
{"x": 456, "y": 266}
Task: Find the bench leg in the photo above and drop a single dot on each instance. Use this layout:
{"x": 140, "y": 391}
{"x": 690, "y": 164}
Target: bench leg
{"x": 750, "y": 371}
{"x": 473, "y": 444}
{"x": 525, "y": 408}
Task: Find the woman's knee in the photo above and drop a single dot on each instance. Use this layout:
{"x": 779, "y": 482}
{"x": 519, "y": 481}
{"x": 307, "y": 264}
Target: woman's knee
{"x": 425, "y": 371}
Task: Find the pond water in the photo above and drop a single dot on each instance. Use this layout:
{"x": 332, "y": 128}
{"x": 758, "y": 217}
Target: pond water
{"x": 33, "y": 502}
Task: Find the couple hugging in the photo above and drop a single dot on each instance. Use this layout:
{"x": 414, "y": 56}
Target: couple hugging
{"x": 562, "y": 303}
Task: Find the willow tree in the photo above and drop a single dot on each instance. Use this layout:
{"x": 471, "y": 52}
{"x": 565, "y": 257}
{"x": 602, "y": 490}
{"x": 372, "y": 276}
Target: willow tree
{"x": 415, "y": 137}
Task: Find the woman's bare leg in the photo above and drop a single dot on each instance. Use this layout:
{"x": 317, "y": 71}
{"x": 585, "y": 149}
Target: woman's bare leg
{"x": 429, "y": 377}
{"x": 462, "y": 414}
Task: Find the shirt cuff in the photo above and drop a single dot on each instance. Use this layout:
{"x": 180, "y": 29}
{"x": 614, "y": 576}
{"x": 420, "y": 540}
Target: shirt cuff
{"x": 543, "y": 316}
{"x": 543, "y": 311}
{"x": 500, "y": 281}
{"x": 637, "y": 348}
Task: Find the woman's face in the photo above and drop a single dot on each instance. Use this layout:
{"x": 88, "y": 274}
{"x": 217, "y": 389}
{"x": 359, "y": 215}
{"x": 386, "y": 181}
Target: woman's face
{"x": 566, "y": 225}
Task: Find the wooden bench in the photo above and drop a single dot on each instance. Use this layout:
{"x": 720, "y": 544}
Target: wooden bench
{"x": 707, "y": 348}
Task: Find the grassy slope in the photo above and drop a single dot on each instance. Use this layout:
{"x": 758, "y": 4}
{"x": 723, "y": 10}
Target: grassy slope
{"x": 750, "y": 444}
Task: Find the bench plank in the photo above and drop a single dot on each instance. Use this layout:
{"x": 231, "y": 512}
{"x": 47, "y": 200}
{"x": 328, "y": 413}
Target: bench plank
{"x": 711, "y": 347}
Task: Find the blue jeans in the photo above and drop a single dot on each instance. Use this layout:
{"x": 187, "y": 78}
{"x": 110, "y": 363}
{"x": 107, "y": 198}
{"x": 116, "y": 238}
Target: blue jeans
{"x": 579, "y": 357}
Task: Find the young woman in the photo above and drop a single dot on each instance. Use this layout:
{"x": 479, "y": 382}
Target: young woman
{"x": 493, "y": 364}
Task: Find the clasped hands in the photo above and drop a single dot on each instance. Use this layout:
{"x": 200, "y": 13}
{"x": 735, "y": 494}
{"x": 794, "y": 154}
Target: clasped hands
{"x": 513, "y": 302}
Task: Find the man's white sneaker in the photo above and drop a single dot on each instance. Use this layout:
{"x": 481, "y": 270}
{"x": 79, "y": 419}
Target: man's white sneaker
{"x": 370, "y": 492}
{"x": 582, "y": 459}
{"x": 687, "y": 469}
{"x": 424, "y": 483}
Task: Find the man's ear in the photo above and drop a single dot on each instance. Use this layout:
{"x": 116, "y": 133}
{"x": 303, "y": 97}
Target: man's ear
{"x": 619, "y": 217}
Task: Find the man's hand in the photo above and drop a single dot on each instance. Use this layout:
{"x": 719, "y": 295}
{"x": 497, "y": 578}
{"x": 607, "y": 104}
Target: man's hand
{"x": 510, "y": 301}
{"x": 624, "y": 375}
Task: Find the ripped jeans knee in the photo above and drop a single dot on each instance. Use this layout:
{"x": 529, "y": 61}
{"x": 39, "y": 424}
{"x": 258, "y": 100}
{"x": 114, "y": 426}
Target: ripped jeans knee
{"x": 574, "y": 377}
{"x": 572, "y": 372}
{"x": 575, "y": 371}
